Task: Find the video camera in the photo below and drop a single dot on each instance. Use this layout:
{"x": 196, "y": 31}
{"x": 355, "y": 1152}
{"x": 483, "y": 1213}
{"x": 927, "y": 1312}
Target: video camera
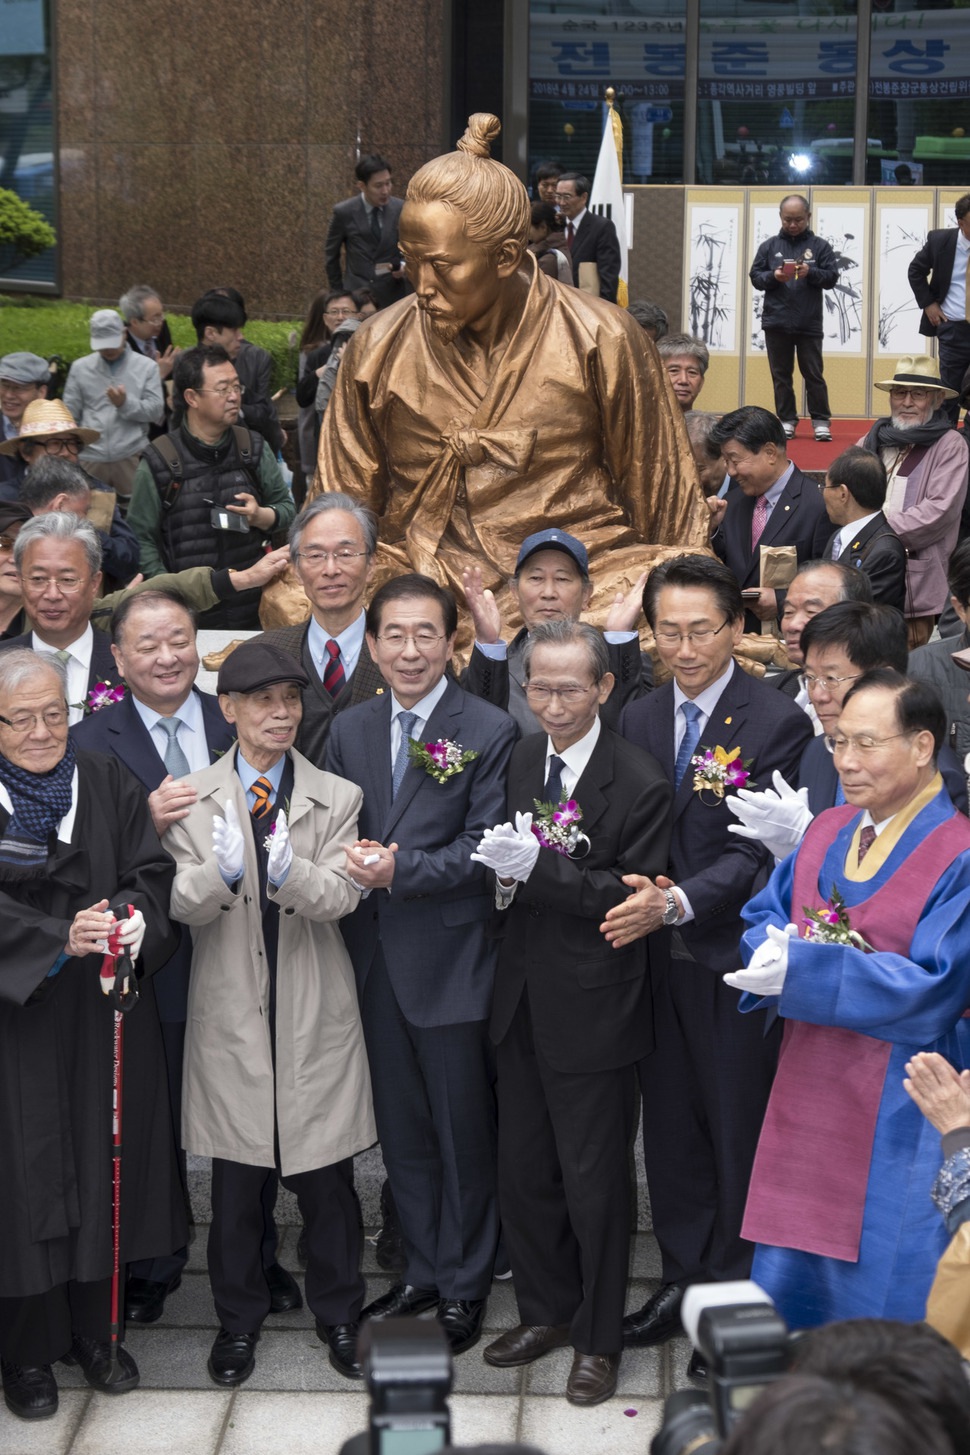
{"x": 408, "y": 1371}
{"x": 745, "y": 1344}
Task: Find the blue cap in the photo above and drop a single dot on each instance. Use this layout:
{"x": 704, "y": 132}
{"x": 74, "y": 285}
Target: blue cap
{"x": 553, "y": 540}
{"x": 24, "y": 368}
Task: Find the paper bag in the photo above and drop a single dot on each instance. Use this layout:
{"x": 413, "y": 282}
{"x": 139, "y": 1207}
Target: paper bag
{"x": 101, "y": 511}
{"x": 779, "y": 565}
{"x": 589, "y": 278}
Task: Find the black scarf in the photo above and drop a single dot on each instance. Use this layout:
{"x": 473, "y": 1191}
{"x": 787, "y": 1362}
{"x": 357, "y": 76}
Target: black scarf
{"x": 40, "y": 801}
{"x": 884, "y": 433}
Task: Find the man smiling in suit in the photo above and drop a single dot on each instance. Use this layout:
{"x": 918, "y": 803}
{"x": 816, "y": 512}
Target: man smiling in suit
{"x": 417, "y": 941}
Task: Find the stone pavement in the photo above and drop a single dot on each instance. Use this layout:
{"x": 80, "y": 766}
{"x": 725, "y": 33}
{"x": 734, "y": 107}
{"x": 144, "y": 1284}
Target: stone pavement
{"x": 294, "y": 1403}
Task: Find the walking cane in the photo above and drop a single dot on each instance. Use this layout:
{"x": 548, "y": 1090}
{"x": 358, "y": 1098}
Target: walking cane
{"x": 116, "y": 968}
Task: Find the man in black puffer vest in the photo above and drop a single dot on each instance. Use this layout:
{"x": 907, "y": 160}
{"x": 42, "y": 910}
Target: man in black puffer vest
{"x": 210, "y": 492}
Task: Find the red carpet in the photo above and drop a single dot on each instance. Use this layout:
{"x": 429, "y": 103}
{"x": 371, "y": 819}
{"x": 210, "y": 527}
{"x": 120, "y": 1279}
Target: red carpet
{"x": 814, "y": 457}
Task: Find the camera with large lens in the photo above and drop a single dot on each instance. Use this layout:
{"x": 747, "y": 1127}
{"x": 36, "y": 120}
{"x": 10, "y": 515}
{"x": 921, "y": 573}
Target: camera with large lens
{"x": 745, "y": 1344}
{"x": 408, "y": 1371}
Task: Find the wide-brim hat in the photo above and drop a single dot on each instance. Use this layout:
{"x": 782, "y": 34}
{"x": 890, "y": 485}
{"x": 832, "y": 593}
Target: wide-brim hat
{"x": 45, "y": 419}
{"x": 919, "y": 371}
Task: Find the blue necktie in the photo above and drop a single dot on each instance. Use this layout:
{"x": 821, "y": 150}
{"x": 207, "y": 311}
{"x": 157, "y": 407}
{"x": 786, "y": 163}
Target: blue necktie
{"x": 692, "y": 713}
{"x": 406, "y": 721}
{"x": 552, "y": 792}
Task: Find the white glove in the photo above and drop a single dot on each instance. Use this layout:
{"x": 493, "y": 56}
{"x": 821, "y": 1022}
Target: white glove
{"x": 778, "y": 819}
{"x": 227, "y": 843}
{"x": 510, "y": 852}
{"x": 131, "y": 932}
{"x": 280, "y": 851}
{"x": 765, "y": 975}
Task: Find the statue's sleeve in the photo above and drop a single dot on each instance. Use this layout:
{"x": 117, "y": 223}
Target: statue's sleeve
{"x": 351, "y": 456}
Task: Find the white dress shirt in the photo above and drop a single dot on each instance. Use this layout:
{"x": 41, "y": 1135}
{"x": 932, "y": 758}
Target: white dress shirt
{"x": 190, "y": 734}
{"x": 78, "y": 667}
{"x": 350, "y": 641}
{"x": 575, "y": 759}
{"x": 954, "y": 304}
{"x": 422, "y": 710}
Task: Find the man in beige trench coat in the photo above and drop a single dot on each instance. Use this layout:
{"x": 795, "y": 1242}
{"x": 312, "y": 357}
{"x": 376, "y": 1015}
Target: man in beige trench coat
{"x": 275, "y": 1068}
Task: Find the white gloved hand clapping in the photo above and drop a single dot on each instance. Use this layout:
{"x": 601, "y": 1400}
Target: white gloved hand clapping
{"x": 280, "y": 851}
{"x": 227, "y": 843}
{"x": 510, "y": 852}
{"x": 768, "y": 967}
{"x": 776, "y": 818}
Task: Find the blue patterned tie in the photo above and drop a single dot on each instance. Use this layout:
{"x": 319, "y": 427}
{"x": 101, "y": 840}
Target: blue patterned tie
{"x": 552, "y": 792}
{"x": 692, "y": 713}
{"x": 406, "y": 721}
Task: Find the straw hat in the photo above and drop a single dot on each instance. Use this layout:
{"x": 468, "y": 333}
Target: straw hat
{"x": 45, "y": 419}
{"x": 918, "y": 370}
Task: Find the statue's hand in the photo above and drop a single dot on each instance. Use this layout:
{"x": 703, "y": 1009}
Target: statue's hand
{"x": 485, "y": 615}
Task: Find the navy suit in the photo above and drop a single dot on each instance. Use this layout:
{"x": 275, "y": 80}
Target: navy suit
{"x": 878, "y": 551}
{"x": 816, "y": 772}
{"x": 706, "y": 1084}
{"x": 798, "y": 519}
{"x": 596, "y": 242}
{"x": 425, "y": 972}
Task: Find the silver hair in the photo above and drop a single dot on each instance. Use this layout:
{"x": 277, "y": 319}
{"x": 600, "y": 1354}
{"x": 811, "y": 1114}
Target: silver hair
{"x": 564, "y": 633}
{"x": 132, "y": 304}
{"x": 677, "y": 345}
{"x": 58, "y": 525}
{"x": 49, "y": 478}
{"x": 334, "y": 500}
{"x": 22, "y": 663}
{"x": 699, "y": 423}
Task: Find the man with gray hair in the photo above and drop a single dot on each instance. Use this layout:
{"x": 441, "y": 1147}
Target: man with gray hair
{"x": 59, "y": 485}
{"x": 686, "y": 360}
{"x": 148, "y": 333}
{"x": 570, "y": 1017}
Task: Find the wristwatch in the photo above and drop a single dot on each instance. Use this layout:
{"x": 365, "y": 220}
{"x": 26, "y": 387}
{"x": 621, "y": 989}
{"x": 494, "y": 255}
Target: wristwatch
{"x": 671, "y": 909}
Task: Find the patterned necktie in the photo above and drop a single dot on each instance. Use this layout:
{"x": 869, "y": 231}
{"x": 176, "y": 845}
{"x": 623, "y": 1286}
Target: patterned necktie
{"x": 692, "y": 713}
{"x": 406, "y": 721}
{"x": 758, "y": 521}
{"x": 175, "y": 760}
{"x": 866, "y": 840}
{"x": 262, "y": 791}
{"x": 151, "y": 349}
{"x": 333, "y": 673}
{"x": 62, "y": 656}
{"x": 552, "y": 792}
{"x": 376, "y": 223}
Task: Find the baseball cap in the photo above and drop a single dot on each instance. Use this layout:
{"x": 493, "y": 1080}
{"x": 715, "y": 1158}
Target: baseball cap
{"x": 107, "y": 329}
{"x": 553, "y": 540}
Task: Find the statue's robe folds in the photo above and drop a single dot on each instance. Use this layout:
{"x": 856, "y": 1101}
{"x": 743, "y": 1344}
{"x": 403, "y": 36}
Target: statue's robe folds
{"x": 574, "y": 428}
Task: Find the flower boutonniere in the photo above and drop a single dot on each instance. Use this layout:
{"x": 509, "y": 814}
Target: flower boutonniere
{"x": 102, "y": 694}
{"x": 831, "y": 926}
{"x": 268, "y": 841}
{"x": 440, "y": 760}
{"x": 556, "y": 826}
{"x": 716, "y": 770}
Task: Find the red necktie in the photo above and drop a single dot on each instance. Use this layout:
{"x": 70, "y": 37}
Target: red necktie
{"x": 758, "y": 521}
{"x": 570, "y": 234}
{"x": 866, "y": 840}
{"x": 333, "y": 673}
{"x": 262, "y": 791}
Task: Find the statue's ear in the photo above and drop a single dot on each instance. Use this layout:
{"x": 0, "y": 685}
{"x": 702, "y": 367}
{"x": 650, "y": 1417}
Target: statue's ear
{"x": 508, "y": 256}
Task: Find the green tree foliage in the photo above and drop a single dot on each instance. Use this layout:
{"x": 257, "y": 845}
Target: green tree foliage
{"x": 22, "y": 228}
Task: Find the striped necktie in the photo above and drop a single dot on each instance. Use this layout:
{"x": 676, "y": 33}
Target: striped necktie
{"x": 262, "y": 791}
{"x": 333, "y": 672}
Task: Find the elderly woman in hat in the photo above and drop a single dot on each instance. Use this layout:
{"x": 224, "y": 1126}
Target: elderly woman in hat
{"x": 76, "y": 840}
{"x": 275, "y": 1068}
{"x": 926, "y": 465}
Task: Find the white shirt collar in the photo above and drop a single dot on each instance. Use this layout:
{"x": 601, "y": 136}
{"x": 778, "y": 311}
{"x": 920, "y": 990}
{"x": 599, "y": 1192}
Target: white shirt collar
{"x": 66, "y": 826}
{"x": 708, "y": 699}
{"x": 848, "y": 533}
{"x": 80, "y": 649}
{"x": 350, "y": 641}
{"x": 575, "y": 221}
{"x": 575, "y": 757}
{"x": 189, "y": 714}
{"x": 423, "y": 709}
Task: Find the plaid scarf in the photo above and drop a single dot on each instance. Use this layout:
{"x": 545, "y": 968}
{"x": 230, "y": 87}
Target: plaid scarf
{"x": 40, "y": 801}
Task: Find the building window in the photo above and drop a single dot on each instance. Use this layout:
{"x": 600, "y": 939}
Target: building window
{"x": 27, "y": 129}
{"x": 919, "y": 94}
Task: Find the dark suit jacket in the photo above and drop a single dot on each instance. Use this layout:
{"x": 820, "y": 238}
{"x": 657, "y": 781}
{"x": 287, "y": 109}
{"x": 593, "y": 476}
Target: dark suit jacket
{"x": 350, "y": 229}
{"x": 716, "y": 869}
{"x": 119, "y": 732}
{"x": 431, "y": 926}
{"x": 879, "y": 552}
{"x": 817, "y": 773}
{"x": 163, "y": 342}
{"x": 103, "y": 667}
{"x": 596, "y": 242}
{"x": 319, "y": 708}
{"x": 798, "y": 520}
{"x": 255, "y": 369}
{"x": 931, "y": 271}
{"x": 589, "y": 1004}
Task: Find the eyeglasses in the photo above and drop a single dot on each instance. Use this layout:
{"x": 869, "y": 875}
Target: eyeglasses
{"x": 699, "y": 638}
{"x": 223, "y": 391}
{"x": 313, "y": 559}
{"x": 68, "y": 584}
{"x": 829, "y": 683}
{"x": 12, "y": 386}
{"x": 57, "y": 445}
{"x": 568, "y": 696}
{"x": 566, "y": 196}
{"x": 918, "y": 396}
{"x": 25, "y": 722}
{"x": 341, "y": 312}
{"x": 395, "y": 640}
{"x": 862, "y": 742}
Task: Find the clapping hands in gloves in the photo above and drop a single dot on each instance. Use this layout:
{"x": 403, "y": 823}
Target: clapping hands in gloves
{"x": 227, "y": 843}
{"x": 280, "y": 851}
{"x": 765, "y": 975}
{"x": 776, "y": 818}
{"x": 511, "y": 851}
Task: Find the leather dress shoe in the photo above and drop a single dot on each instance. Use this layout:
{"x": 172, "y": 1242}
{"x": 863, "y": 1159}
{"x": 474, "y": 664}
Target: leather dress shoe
{"x": 659, "y": 1319}
{"x": 400, "y": 1301}
{"x": 30, "y": 1391}
{"x": 94, "y": 1359}
{"x": 592, "y": 1378}
{"x": 341, "y": 1340}
{"x": 697, "y": 1368}
{"x": 284, "y": 1291}
{"x": 145, "y": 1299}
{"x": 231, "y": 1360}
{"x": 525, "y": 1343}
{"x": 461, "y": 1319}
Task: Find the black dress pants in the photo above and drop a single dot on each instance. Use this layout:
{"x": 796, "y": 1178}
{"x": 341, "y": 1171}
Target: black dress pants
{"x": 781, "y": 349}
{"x": 40, "y": 1329}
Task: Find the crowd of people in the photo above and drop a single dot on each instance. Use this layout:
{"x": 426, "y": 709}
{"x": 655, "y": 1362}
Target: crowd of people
{"x": 447, "y": 866}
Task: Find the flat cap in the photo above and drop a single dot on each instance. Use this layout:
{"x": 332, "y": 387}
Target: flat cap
{"x": 255, "y": 664}
{"x": 24, "y": 368}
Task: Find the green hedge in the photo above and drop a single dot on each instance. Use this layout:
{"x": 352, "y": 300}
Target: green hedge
{"x": 49, "y": 326}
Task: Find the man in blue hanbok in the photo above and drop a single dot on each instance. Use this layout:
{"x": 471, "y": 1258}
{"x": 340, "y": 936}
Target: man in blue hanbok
{"x": 873, "y": 969}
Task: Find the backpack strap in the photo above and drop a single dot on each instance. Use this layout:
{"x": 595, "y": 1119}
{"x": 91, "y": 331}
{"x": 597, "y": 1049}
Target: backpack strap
{"x": 170, "y": 456}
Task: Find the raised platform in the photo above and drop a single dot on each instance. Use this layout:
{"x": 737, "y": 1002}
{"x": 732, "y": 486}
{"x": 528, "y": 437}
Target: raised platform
{"x": 815, "y": 458}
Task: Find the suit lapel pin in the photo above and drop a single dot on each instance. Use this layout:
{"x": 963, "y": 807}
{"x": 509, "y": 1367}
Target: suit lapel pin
{"x": 788, "y": 507}
{"x": 379, "y": 692}
{"x": 728, "y": 721}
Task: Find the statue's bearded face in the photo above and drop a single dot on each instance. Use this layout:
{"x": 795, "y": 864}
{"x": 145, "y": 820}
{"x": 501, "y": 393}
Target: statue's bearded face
{"x": 457, "y": 281}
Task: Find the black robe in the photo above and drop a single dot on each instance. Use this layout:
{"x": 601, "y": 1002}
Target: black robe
{"x": 56, "y": 1054}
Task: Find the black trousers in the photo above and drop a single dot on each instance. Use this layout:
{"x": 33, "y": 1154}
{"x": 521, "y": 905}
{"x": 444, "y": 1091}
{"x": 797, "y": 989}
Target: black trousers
{"x": 953, "y": 340}
{"x": 434, "y": 1102}
{"x": 564, "y": 1188}
{"x": 334, "y": 1284}
{"x": 40, "y": 1329}
{"x": 782, "y": 348}
{"x": 705, "y": 1088}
